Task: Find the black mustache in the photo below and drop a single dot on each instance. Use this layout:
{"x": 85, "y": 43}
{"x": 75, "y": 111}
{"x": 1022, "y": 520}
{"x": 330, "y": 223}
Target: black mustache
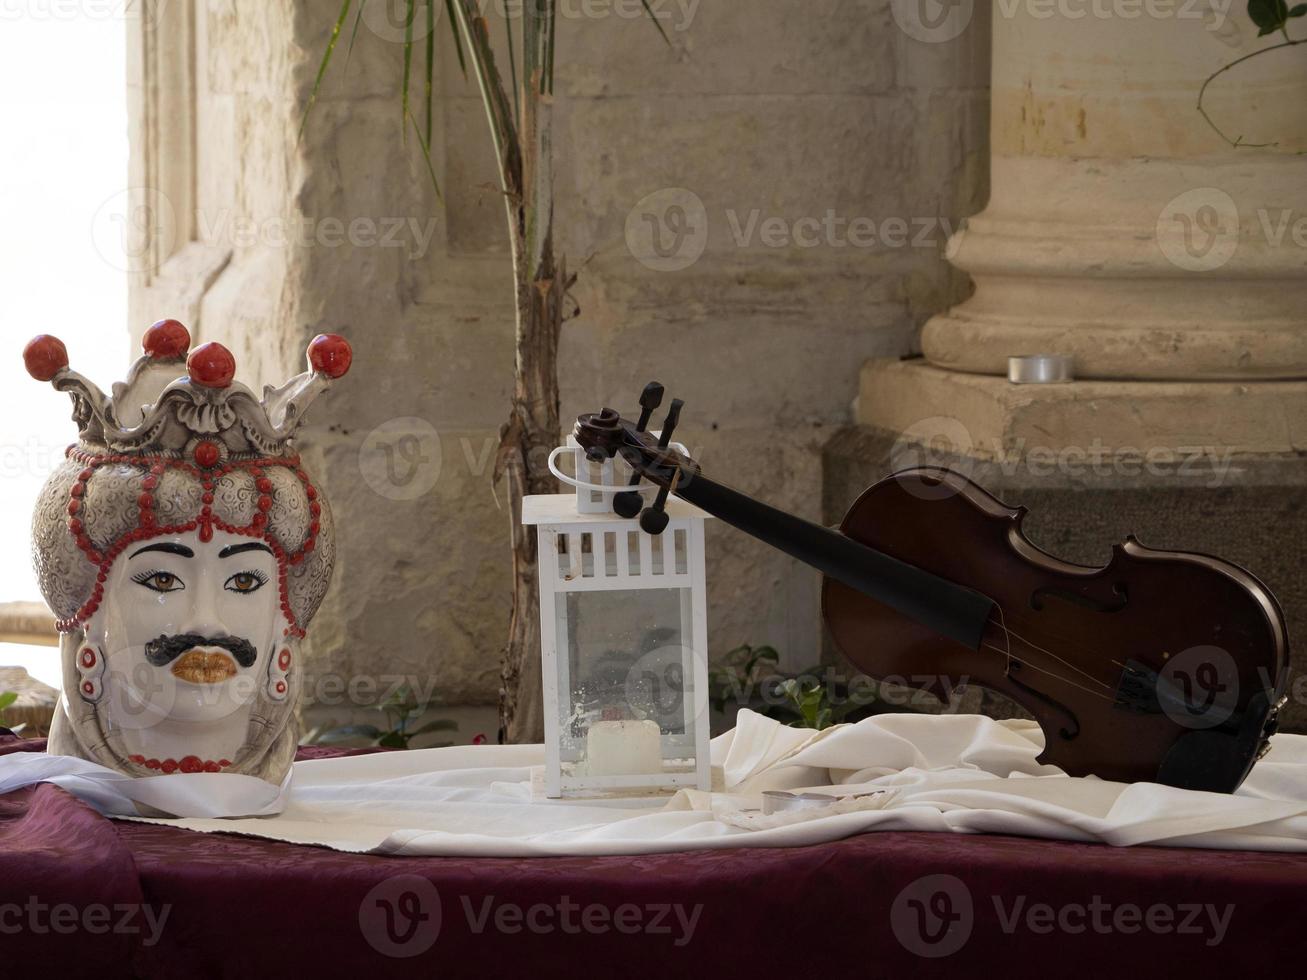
{"x": 166, "y": 649}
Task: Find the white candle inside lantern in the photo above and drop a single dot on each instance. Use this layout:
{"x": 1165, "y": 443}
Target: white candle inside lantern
{"x": 617, "y": 748}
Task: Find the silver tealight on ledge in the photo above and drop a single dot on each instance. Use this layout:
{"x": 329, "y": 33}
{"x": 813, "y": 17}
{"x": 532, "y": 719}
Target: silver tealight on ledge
{"x": 1040, "y": 369}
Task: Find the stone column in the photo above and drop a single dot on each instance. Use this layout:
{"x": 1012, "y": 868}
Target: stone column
{"x": 1122, "y": 228}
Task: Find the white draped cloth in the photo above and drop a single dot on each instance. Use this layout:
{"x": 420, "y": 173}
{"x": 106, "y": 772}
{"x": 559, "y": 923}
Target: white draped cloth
{"x": 945, "y": 773}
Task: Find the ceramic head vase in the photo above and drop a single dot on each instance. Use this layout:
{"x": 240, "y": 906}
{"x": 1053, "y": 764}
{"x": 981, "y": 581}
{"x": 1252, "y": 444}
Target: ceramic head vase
{"x": 184, "y": 551}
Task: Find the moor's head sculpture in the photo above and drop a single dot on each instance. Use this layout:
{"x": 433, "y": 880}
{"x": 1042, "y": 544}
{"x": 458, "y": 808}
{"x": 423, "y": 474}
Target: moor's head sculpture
{"x": 183, "y": 550}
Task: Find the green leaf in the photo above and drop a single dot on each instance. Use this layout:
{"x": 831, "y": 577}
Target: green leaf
{"x": 512, "y": 69}
{"x": 458, "y": 38}
{"x": 408, "y": 62}
{"x": 1299, "y": 10}
{"x": 431, "y": 169}
{"x": 393, "y": 740}
{"x": 326, "y": 60}
{"x": 649, "y": 10}
{"x": 1269, "y": 15}
{"x": 431, "y": 60}
{"x": 354, "y": 32}
{"x": 7, "y": 698}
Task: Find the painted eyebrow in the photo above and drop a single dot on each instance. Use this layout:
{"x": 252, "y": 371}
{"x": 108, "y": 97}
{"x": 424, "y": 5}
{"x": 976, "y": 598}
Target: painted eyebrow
{"x": 168, "y": 548}
{"x": 236, "y": 549}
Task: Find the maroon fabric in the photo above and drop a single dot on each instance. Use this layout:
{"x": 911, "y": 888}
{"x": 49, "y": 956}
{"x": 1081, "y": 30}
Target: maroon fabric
{"x": 244, "y": 907}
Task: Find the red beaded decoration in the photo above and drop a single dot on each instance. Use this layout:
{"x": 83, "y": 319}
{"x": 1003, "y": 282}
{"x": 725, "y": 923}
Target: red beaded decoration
{"x": 190, "y": 763}
{"x": 331, "y": 354}
{"x": 167, "y": 340}
{"x": 147, "y": 525}
{"x": 45, "y": 356}
{"x": 211, "y": 365}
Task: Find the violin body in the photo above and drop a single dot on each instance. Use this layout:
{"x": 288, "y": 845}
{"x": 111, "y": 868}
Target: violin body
{"x": 1085, "y": 650}
{"x": 1161, "y": 666}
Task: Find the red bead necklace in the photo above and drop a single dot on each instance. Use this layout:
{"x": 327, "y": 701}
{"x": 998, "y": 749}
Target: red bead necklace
{"x": 190, "y": 763}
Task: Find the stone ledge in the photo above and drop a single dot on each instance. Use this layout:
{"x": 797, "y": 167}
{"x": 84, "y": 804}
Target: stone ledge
{"x": 986, "y": 417}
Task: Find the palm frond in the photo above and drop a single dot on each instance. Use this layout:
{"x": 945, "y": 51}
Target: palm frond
{"x": 512, "y": 68}
{"x": 649, "y": 10}
{"x": 326, "y": 60}
{"x": 426, "y": 155}
{"x": 431, "y": 60}
{"x": 408, "y": 61}
{"x": 354, "y": 32}
{"x": 458, "y": 40}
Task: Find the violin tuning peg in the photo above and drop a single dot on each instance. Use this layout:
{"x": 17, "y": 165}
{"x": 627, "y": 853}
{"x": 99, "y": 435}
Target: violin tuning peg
{"x": 654, "y": 520}
{"x": 669, "y": 423}
{"x": 628, "y": 503}
{"x": 650, "y": 398}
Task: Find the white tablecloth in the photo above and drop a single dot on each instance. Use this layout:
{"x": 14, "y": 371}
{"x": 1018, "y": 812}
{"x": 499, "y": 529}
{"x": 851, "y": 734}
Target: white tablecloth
{"x": 950, "y": 773}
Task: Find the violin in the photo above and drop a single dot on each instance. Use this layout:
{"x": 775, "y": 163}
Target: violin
{"x": 1161, "y": 666}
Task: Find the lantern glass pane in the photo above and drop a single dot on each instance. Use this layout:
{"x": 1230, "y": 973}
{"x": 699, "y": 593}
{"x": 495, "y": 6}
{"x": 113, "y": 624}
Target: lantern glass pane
{"x": 625, "y": 681}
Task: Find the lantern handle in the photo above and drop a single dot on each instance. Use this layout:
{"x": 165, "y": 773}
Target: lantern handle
{"x": 582, "y": 484}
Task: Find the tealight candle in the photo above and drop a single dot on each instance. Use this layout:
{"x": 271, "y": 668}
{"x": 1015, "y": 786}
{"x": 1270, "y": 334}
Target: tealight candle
{"x": 623, "y": 748}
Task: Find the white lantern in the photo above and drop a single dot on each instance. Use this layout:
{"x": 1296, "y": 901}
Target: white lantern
{"x": 624, "y": 642}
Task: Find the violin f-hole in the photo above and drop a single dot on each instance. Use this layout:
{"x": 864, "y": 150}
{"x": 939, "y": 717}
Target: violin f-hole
{"x": 1088, "y": 602}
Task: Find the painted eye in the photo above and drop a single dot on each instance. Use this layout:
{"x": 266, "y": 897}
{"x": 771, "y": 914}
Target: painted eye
{"x": 159, "y": 581}
{"x": 245, "y": 582}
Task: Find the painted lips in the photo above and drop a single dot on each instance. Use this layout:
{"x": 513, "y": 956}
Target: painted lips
{"x": 204, "y": 667}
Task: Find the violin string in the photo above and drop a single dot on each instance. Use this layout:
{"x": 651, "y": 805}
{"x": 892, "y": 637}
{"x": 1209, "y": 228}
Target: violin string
{"x": 1052, "y": 673}
{"x": 1002, "y": 624}
{"x": 1007, "y": 654}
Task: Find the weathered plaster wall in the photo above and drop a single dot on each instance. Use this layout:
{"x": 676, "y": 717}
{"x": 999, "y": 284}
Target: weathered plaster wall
{"x": 774, "y": 115}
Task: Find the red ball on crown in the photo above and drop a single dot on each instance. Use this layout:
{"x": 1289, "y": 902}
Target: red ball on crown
{"x": 166, "y": 340}
{"x": 45, "y": 356}
{"x": 211, "y": 365}
{"x": 331, "y": 354}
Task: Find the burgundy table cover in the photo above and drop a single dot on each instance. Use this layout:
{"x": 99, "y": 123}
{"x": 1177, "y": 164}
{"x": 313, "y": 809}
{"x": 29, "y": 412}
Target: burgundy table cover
{"x": 870, "y": 906}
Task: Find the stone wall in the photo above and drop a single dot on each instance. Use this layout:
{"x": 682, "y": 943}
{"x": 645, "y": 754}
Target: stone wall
{"x": 773, "y": 125}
